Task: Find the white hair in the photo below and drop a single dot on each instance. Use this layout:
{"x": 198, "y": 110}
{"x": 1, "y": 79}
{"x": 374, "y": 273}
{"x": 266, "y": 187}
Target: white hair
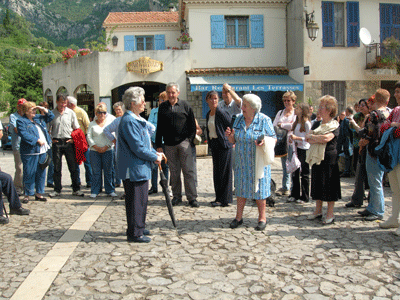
{"x": 132, "y": 95}
{"x": 72, "y": 100}
{"x": 254, "y": 101}
{"x": 173, "y": 84}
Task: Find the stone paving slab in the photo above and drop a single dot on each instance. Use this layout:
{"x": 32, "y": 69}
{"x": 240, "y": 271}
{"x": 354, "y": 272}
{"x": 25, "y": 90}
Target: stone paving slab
{"x": 294, "y": 258}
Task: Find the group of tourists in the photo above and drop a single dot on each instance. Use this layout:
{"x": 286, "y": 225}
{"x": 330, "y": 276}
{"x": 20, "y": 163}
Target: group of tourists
{"x": 128, "y": 149}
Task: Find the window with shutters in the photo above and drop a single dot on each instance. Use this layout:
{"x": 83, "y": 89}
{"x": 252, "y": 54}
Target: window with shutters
{"x": 336, "y": 89}
{"x": 389, "y": 21}
{"x": 144, "y": 42}
{"x": 237, "y": 31}
{"x": 340, "y": 20}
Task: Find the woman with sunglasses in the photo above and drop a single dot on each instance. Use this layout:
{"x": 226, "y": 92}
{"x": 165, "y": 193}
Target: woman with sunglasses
{"x": 101, "y": 154}
{"x": 285, "y": 119}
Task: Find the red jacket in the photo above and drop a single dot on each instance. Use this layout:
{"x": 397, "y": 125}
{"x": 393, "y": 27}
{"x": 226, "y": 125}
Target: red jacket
{"x": 81, "y": 145}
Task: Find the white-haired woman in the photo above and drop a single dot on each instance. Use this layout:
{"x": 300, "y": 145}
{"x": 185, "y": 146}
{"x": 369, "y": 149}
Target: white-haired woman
{"x": 135, "y": 157}
{"x": 249, "y": 126}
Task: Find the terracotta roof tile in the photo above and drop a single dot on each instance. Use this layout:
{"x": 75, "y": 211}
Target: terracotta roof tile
{"x": 261, "y": 70}
{"x": 141, "y": 17}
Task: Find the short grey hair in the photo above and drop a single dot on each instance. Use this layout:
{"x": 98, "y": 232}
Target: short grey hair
{"x": 173, "y": 84}
{"x": 254, "y": 101}
{"x": 119, "y": 103}
{"x": 72, "y": 100}
{"x": 132, "y": 95}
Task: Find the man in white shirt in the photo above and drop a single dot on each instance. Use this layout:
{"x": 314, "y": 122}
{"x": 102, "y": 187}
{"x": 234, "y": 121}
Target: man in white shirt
{"x": 61, "y": 127}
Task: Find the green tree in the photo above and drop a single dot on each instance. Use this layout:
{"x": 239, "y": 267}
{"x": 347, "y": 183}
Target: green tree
{"x": 26, "y": 82}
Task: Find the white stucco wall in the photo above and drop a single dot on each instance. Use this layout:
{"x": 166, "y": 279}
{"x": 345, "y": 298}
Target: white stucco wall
{"x": 171, "y": 34}
{"x": 272, "y": 55}
{"x": 341, "y": 63}
{"x": 104, "y": 71}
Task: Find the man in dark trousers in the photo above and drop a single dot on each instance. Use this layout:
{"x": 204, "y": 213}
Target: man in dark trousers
{"x": 176, "y": 125}
{"x": 8, "y": 189}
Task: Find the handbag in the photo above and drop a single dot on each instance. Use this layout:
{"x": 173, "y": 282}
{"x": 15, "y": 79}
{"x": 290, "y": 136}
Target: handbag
{"x": 293, "y": 163}
{"x": 281, "y": 143}
{"x": 197, "y": 140}
{"x": 47, "y": 161}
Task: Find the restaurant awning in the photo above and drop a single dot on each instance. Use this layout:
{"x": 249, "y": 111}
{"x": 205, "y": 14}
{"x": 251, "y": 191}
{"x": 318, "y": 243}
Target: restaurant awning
{"x": 247, "y": 83}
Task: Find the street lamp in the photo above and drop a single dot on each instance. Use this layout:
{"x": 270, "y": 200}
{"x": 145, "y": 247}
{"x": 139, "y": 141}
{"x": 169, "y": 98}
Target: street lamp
{"x": 312, "y": 27}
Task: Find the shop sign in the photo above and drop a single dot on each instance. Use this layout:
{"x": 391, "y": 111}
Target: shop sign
{"x": 144, "y": 66}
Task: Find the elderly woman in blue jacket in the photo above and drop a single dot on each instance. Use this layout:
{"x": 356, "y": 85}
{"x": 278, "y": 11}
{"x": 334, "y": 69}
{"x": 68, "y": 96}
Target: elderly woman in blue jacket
{"x": 35, "y": 142}
{"x": 135, "y": 157}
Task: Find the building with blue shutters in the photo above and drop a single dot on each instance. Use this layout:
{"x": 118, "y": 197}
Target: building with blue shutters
{"x": 258, "y": 46}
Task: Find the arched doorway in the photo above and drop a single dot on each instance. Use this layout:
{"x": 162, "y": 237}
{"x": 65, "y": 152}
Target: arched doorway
{"x": 48, "y": 97}
{"x": 152, "y": 90}
{"x": 85, "y": 96}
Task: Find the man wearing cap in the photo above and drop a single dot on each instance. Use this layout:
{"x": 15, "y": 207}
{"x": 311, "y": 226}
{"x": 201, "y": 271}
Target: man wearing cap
{"x": 61, "y": 128}
{"x": 83, "y": 120}
{"x": 15, "y": 141}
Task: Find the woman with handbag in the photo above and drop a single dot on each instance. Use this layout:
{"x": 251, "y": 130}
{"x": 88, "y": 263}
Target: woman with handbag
{"x": 35, "y": 142}
{"x": 248, "y": 128}
{"x": 284, "y": 119}
{"x": 217, "y": 121}
{"x": 322, "y": 157}
{"x": 301, "y": 127}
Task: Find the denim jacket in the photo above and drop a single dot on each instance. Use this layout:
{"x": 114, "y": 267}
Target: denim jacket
{"x": 29, "y": 133}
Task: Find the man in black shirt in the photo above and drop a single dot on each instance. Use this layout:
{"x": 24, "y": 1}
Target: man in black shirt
{"x": 176, "y": 125}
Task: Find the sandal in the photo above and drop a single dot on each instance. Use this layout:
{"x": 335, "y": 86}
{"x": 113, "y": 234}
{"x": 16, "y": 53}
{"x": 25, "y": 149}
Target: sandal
{"x": 25, "y": 199}
{"x": 40, "y": 198}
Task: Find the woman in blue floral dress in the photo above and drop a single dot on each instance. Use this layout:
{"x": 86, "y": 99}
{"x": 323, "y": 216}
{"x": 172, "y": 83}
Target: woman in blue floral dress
{"x": 248, "y": 126}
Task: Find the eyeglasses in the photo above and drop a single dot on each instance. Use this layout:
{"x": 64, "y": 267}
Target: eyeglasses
{"x": 362, "y": 105}
{"x": 102, "y": 112}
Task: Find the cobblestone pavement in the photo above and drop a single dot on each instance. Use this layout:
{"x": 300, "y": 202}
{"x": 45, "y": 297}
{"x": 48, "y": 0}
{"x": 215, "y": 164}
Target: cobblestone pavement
{"x": 294, "y": 258}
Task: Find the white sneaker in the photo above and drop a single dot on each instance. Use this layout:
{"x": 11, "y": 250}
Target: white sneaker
{"x": 93, "y": 196}
{"x": 54, "y": 194}
{"x": 113, "y": 194}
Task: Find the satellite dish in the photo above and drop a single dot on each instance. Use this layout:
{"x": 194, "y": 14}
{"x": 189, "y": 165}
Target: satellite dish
{"x": 365, "y": 36}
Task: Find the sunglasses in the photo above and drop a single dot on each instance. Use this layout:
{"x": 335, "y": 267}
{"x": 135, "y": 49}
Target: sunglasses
{"x": 102, "y": 112}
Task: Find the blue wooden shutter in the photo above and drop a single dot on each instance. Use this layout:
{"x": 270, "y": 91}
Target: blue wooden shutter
{"x": 217, "y": 31}
{"x": 385, "y": 20}
{"x": 129, "y": 43}
{"x": 353, "y": 24}
{"x": 257, "y": 31}
{"x": 159, "y": 42}
{"x": 328, "y": 25}
{"x": 204, "y": 105}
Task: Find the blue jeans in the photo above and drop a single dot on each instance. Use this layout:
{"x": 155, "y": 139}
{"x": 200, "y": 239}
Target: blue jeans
{"x": 286, "y": 175}
{"x": 34, "y": 177}
{"x": 102, "y": 163}
{"x": 88, "y": 169}
{"x": 375, "y": 174}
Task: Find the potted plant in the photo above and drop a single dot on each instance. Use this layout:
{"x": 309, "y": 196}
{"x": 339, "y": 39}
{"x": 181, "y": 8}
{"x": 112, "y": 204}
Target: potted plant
{"x": 67, "y": 54}
{"x": 185, "y": 39}
{"x": 83, "y": 52}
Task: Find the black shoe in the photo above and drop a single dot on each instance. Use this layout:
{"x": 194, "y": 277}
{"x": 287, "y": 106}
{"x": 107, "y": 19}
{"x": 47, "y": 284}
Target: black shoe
{"x": 365, "y": 213}
{"x": 19, "y": 211}
{"x": 40, "y": 198}
{"x": 235, "y": 223}
{"x": 216, "y": 203}
{"x": 224, "y": 204}
{"x": 194, "y": 203}
{"x": 352, "y": 205}
{"x": 50, "y": 185}
{"x": 176, "y": 201}
{"x": 4, "y": 220}
{"x": 152, "y": 191}
{"x": 140, "y": 239}
{"x": 146, "y": 232}
{"x": 261, "y": 226}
